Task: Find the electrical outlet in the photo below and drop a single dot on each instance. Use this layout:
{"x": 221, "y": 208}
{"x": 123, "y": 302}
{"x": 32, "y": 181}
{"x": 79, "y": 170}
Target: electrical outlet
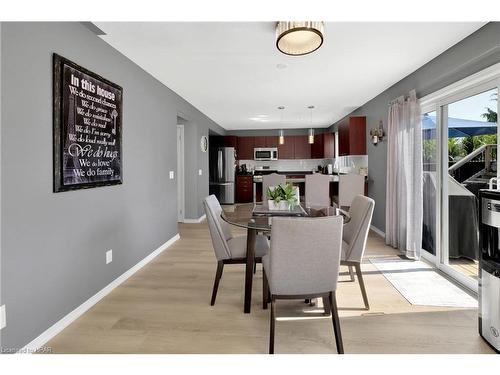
{"x": 171, "y": 175}
{"x": 3, "y": 317}
{"x": 109, "y": 256}
{"x": 200, "y": 172}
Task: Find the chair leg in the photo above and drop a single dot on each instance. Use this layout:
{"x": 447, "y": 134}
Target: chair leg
{"x": 351, "y": 273}
{"x": 336, "y": 323}
{"x": 265, "y": 290}
{"x": 272, "y": 326}
{"x": 218, "y": 275}
{"x": 326, "y": 306}
{"x": 362, "y": 286}
{"x": 254, "y": 267}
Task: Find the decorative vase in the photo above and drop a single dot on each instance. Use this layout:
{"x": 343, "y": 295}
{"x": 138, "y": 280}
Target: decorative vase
{"x": 278, "y": 206}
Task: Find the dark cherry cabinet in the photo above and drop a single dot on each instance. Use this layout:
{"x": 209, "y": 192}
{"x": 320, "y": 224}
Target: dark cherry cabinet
{"x": 295, "y": 147}
{"x": 244, "y": 189}
{"x": 272, "y": 141}
{"x": 266, "y": 141}
{"x": 329, "y": 145}
{"x": 287, "y": 151}
{"x": 317, "y": 148}
{"x": 302, "y": 147}
{"x": 260, "y": 142}
{"x": 352, "y": 136}
{"x": 231, "y": 141}
{"x": 323, "y": 146}
{"x": 245, "y": 148}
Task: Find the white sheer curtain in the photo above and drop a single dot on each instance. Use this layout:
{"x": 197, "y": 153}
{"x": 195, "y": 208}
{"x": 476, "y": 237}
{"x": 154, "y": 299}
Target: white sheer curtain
{"x": 404, "y": 176}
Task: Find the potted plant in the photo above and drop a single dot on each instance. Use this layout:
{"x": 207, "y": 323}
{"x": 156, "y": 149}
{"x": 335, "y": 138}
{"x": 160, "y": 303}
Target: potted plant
{"x": 281, "y": 197}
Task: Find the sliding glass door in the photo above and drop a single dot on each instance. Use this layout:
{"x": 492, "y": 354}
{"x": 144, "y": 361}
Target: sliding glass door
{"x": 460, "y": 141}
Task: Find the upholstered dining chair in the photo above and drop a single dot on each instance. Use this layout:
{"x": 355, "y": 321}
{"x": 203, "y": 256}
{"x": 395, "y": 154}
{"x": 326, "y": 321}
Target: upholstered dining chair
{"x": 303, "y": 262}
{"x": 350, "y": 186}
{"x": 272, "y": 179}
{"x": 317, "y": 190}
{"x": 228, "y": 249}
{"x": 354, "y": 239}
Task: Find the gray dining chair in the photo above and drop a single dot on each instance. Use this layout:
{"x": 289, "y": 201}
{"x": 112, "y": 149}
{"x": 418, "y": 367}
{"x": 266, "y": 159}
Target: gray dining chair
{"x": 303, "y": 262}
{"x": 317, "y": 190}
{"x": 272, "y": 179}
{"x": 228, "y": 249}
{"x": 350, "y": 186}
{"x": 354, "y": 239}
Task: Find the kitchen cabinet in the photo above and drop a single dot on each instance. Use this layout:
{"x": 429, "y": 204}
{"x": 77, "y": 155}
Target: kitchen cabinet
{"x": 352, "y": 136}
{"x": 244, "y": 189}
{"x": 245, "y": 148}
{"x": 266, "y": 141}
{"x": 287, "y": 150}
{"x": 231, "y": 141}
{"x": 302, "y": 147}
{"x": 295, "y": 147}
{"x": 328, "y": 145}
{"x": 259, "y": 142}
{"x": 272, "y": 141}
{"x": 323, "y": 146}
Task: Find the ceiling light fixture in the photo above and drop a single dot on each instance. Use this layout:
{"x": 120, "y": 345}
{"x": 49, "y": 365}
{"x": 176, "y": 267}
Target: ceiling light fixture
{"x": 281, "y": 133}
{"x": 310, "y": 137}
{"x": 297, "y": 38}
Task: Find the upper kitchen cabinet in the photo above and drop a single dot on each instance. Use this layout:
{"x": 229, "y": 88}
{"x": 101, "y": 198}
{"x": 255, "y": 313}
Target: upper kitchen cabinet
{"x": 329, "y": 145}
{"x": 245, "y": 148}
{"x": 272, "y": 141}
{"x": 287, "y": 150}
{"x": 323, "y": 146}
{"x": 302, "y": 147}
{"x": 259, "y": 142}
{"x": 266, "y": 141}
{"x": 231, "y": 141}
{"x": 352, "y": 136}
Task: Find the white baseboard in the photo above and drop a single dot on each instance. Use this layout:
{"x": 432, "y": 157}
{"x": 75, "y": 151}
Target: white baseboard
{"x": 80, "y": 310}
{"x": 378, "y": 231}
{"x": 195, "y": 221}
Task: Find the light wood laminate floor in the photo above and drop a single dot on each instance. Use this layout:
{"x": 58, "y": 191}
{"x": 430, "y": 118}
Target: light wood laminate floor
{"x": 164, "y": 308}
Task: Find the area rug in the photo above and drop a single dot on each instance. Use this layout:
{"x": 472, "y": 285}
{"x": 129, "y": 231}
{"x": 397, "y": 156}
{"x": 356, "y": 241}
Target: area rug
{"x": 422, "y": 284}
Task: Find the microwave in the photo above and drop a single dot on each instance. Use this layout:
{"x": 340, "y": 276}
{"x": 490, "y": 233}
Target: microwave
{"x": 270, "y": 153}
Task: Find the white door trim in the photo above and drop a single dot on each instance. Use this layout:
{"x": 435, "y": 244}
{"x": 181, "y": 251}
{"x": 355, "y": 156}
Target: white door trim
{"x": 181, "y": 200}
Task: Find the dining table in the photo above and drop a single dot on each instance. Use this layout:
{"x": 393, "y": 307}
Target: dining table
{"x": 258, "y": 219}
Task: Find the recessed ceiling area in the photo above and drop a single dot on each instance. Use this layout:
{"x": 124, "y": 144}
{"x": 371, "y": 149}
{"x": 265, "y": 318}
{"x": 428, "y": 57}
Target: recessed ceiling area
{"x": 233, "y": 72}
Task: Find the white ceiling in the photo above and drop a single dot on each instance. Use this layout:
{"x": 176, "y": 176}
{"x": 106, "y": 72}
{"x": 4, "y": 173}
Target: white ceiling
{"x": 229, "y": 70}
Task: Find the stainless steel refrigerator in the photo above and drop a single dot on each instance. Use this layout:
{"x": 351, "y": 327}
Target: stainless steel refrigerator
{"x": 222, "y": 174}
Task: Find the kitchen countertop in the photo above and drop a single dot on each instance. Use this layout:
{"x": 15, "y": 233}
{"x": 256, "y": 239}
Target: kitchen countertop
{"x": 333, "y": 178}
{"x": 269, "y": 171}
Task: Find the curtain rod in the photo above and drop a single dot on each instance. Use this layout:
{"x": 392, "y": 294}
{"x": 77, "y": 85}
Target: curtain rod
{"x": 403, "y": 97}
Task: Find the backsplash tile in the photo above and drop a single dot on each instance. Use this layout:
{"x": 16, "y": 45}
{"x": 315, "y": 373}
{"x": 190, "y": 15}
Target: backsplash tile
{"x": 344, "y": 162}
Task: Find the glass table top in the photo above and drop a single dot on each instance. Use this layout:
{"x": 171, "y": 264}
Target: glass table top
{"x": 259, "y": 216}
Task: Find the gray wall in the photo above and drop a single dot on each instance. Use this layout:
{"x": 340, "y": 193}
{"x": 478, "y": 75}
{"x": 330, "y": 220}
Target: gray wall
{"x": 53, "y": 245}
{"x": 474, "y": 53}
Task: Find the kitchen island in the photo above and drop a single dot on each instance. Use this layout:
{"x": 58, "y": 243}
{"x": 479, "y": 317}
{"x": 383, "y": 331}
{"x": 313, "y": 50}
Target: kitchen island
{"x": 296, "y": 178}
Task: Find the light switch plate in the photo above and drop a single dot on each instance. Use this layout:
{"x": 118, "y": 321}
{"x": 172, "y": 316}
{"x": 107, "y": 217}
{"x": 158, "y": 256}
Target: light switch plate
{"x": 171, "y": 175}
{"x": 3, "y": 317}
{"x": 109, "y": 256}
{"x": 200, "y": 172}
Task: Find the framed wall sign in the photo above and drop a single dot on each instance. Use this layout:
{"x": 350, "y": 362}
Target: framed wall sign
{"x": 87, "y": 116}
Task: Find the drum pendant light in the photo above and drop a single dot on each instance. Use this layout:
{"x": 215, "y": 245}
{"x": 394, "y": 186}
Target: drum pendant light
{"x": 297, "y": 38}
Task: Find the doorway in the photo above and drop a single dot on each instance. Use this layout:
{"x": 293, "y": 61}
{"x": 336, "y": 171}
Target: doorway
{"x": 460, "y": 141}
{"x": 180, "y": 174}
